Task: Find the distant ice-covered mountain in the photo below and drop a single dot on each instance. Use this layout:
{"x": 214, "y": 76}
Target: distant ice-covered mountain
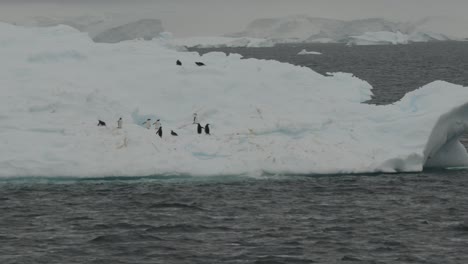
{"x": 270, "y": 31}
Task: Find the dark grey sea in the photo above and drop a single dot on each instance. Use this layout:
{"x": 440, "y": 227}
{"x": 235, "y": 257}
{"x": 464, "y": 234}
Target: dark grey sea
{"x": 374, "y": 218}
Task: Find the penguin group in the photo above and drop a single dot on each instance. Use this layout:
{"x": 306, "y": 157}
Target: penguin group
{"x": 200, "y": 129}
{"x": 158, "y": 126}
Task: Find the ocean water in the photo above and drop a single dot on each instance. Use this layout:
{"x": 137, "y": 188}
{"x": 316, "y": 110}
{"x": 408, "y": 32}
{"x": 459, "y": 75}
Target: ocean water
{"x": 375, "y": 218}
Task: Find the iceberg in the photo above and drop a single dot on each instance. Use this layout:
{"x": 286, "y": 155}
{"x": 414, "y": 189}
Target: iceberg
{"x": 386, "y": 38}
{"x": 266, "y": 117}
{"x": 379, "y": 38}
{"x": 305, "y": 52}
{"x": 222, "y": 42}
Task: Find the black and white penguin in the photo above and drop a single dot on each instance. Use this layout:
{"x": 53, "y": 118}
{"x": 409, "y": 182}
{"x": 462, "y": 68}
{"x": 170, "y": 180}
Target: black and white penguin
{"x": 147, "y": 123}
{"x": 195, "y": 118}
{"x": 200, "y": 63}
{"x": 173, "y": 133}
{"x": 119, "y": 123}
{"x": 199, "y": 128}
{"x": 101, "y": 123}
{"x": 157, "y": 124}
{"x": 178, "y": 62}
{"x": 159, "y": 132}
{"x": 207, "y": 129}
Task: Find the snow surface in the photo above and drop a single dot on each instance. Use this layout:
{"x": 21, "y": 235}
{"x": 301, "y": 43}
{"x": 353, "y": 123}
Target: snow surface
{"x": 266, "y": 116}
{"x": 305, "y": 52}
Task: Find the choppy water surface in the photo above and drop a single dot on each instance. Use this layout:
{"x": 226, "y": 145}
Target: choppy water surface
{"x": 401, "y": 218}
{"x": 385, "y": 218}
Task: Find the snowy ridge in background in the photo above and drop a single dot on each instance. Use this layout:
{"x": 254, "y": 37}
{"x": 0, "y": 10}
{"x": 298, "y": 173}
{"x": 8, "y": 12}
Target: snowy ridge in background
{"x": 266, "y": 116}
{"x": 267, "y": 32}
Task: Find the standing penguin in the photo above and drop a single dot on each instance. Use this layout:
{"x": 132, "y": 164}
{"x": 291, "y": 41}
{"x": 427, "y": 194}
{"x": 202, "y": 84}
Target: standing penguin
{"x": 147, "y": 123}
{"x": 199, "y": 128}
{"x": 119, "y": 123}
{"x": 173, "y": 133}
{"x": 157, "y": 124}
{"x": 159, "y": 132}
{"x": 207, "y": 129}
{"x": 195, "y": 118}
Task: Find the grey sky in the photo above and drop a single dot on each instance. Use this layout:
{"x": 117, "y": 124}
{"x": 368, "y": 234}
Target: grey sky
{"x": 216, "y": 17}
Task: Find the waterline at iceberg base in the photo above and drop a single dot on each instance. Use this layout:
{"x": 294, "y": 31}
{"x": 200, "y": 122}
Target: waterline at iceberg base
{"x": 266, "y": 116}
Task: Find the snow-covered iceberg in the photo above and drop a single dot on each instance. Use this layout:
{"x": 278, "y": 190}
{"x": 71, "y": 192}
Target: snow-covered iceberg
{"x": 221, "y": 42}
{"x": 306, "y": 52}
{"x": 266, "y": 116}
{"x": 379, "y": 38}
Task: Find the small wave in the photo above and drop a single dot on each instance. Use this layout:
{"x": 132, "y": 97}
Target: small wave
{"x": 79, "y": 218}
{"x": 124, "y": 237}
{"x": 177, "y": 205}
{"x": 351, "y": 258}
{"x": 461, "y": 227}
{"x": 186, "y": 228}
{"x": 124, "y": 226}
{"x": 282, "y": 259}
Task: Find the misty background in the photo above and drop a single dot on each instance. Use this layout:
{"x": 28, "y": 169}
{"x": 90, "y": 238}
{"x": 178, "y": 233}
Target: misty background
{"x": 186, "y": 18}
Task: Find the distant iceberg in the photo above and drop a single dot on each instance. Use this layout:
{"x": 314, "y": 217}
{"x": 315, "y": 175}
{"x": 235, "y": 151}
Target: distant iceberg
{"x": 267, "y": 117}
{"x": 305, "y": 52}
{"x": 219, "y": 42}
{"x": 386, "y": 37}
{"x": 379, "y": 38}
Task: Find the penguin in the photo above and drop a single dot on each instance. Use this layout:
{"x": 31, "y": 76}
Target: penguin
{"x": 178, "y": 62}
{"x": 157, "y": 124}
{"x": 195, "y": 118}
{"x": 207, "y": 129}
{"x": 159, "y": 132}
{"x": 101, "y": 123}
{"x": 199, "y": 128}
{"x": 119, "y": 123}
{"x": 200, "y": 63}
{"x": 147, "y": 123}
{"x": 173, "y": 133}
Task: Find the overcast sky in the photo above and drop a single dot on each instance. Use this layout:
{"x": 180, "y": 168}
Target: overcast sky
{"x": 217, "y": 17}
